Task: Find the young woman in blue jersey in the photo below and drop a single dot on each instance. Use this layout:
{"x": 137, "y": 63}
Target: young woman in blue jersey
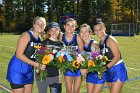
{"x": 53, "y": 79}
{"x": 116, "y": 71}
{"x": 20, "y": 71}
{"x": 93, "y": 83}
{"x": 70, "y": 38}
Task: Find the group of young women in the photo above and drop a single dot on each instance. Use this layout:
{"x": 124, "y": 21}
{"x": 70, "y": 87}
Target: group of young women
{"x": 20, "y": 72}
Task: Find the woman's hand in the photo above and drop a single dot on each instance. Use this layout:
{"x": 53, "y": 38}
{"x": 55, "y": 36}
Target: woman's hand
{"x": 83, "y": 71}
{"x": 43, "y": 67}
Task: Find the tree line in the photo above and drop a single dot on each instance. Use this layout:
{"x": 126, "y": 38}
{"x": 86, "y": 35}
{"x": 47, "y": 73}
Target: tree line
{"x": 17, "y": 15}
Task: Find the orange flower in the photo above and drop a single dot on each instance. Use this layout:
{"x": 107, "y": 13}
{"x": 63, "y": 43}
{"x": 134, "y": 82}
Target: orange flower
{"x": 60, "y": 59}
{"x": 75, "y": 64}
{"x": 46, "y": 59}
{"x": 91, "y": 63}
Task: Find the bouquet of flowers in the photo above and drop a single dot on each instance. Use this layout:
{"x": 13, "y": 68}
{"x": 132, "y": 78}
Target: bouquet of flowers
{"x": 81, "y": 58}
{"x": 66, "y": 59}
{"x": 84, "y": 59}
{"x": 44, "y": 55}
{"x": 98, "y": 64}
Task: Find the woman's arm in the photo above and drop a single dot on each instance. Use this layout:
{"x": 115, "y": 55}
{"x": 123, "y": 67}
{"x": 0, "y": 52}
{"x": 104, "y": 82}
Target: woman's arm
{"x": 21, "y": 46}
{"x": 113, "y": 44}
{"x": 80, "y": 43}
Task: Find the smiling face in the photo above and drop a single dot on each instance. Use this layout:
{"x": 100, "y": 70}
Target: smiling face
{"x": 39, "y": 24}
{"x": 70, "y": 26}
{"x": 99, "y": 30}
{"x": 54, "y": 33}
{"x": 84, "y": 33}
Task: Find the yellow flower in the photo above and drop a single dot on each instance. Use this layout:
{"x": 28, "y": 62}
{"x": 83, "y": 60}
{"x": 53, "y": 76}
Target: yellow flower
{"x": 91, "y": 63}
{"x": 46, "y": 59}
{"x": 60, "y": 59}
{"x": 75, "y": 64}
{"x": 37, "y": 47}
{"x": 105, "y": 58}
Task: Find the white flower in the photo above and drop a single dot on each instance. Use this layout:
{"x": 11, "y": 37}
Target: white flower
{"x": 51, "y": 56}
{"x": 80, "y": 58}
{"x": 54, "y": 51}
{"x": 79, "y": 55}
{"x": 62, "y": 54}
{"x": 100, "y": 56}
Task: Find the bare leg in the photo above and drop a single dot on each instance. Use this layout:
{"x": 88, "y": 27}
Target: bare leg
{"x": 28, "y": 88}
{"x": 97, "y": 88}
{"x": 89, "y": 87}
{"x": 77, "y": 84}
{"x": 94, "y": 88}
{"x": 116, "y": 87}
{"x": 19, "y": 90}
{"x": 68, "y": 82}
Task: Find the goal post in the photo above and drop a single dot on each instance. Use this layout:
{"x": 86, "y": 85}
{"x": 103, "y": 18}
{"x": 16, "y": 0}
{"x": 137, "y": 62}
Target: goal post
{"x": 138, "y": 28}
{"x": 123, "y": 29}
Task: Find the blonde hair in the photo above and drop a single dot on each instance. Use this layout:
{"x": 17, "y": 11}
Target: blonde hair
{"x": 87, "y": 26}
{"x": 71, "y": 19}
{"x": 37, "y": 18}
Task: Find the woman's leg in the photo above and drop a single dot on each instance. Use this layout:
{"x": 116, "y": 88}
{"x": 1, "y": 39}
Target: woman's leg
{"x": 97, "y": 88}
{"x": 28, "y": 88}
{"x": 89, "y": 87}
{"x": 116, "y": 87}
{"x": 17, "y": 88}
{"x": 77, "y": 84}
{"x": 68, "y": 82}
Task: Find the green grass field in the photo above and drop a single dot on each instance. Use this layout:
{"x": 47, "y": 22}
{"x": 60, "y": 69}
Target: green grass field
{"x": 129, "y": 46}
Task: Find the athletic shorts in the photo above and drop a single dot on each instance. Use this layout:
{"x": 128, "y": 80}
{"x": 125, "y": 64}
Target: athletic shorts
{"x": 16, "y": 86}
{"x": 94, "y": 78}
{"x": 76, "y": 73}
{"x": 116, "y": 72}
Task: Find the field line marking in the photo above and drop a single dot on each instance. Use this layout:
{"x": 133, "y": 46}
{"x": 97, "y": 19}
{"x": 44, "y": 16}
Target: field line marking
{"x": 132, "y": 68}
{"x": 7, "y": 46}
{"x": 5, "y": 88}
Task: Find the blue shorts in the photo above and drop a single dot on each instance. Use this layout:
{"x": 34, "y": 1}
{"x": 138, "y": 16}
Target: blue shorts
{"x": 19, "y": 72}
{"x": 93, "y": 78}
{"x": 117, "y": 72}
{"x": 76, "y": 73}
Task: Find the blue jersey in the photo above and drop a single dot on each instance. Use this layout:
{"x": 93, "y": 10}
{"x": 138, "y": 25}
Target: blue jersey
{"x": 20, "y": 72}
{"x": 88, "y": 47}
{"x": 106, "y": 49}
{"x": 72, "y": 43}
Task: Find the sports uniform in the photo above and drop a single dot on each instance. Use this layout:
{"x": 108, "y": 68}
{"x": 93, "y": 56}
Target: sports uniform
{"x": 19, "y": 72}
{"x": 71, "y": 43}
{"x": 118, "y": 71}
{"x": 93, "y": 77}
